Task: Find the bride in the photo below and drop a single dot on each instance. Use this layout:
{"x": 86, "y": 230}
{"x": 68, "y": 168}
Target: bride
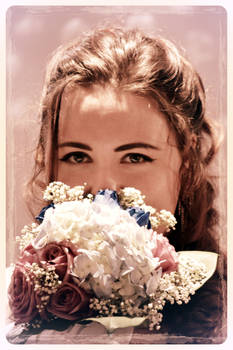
{"x": 122, "y": 109}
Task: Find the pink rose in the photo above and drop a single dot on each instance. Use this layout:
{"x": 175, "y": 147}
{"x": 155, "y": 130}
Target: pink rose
{"x": 60, "y": 255}
{"x": 165, "y": 251}
{"x": 22, "y": 298}
{"x": 68, "y": 302}
{"x": 29, "y": 255}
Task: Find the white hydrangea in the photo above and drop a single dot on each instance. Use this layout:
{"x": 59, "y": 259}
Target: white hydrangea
{"x": 115, "y": 253}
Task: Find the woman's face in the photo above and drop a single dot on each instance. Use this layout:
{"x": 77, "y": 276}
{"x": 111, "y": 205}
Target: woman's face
{"x": 113, "y": 140}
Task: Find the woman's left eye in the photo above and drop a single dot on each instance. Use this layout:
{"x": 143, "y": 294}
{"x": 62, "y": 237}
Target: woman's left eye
{"x": 135, "y": 158}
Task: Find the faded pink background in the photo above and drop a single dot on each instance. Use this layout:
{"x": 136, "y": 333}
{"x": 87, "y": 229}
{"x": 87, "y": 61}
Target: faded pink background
{"x": 34, "y": 32}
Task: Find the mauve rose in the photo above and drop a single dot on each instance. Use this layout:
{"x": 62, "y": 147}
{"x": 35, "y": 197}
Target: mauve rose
{"x": 60, "y": 255}
{"x": 22, "y": 298}
{"x": 68, "y": 302}
{"x": 165, "y": 251}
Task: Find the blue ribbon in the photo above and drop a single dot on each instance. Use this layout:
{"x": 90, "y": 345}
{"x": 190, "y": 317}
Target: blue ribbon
{"x": 109, "y": 194}
{"x": 140, "y": 216}
{"x": 40, "y": 217}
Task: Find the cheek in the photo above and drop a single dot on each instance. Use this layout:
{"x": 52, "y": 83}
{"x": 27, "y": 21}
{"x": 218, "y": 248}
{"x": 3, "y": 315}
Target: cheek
{"x": 161, "y": 191}
{"x": 165, "y": 195}
{"x": 161, "y": 186}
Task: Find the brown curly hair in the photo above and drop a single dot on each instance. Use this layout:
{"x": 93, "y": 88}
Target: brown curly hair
{"x": 151, "y": 67}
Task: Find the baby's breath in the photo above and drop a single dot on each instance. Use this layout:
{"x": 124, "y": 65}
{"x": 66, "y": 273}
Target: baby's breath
{"x": 130, "y": 197}
{"x": 58, "y": 192}
{"x": 28, "y": 233}
{"x": 45, "y": 282}
{"x": 164, "y": 219}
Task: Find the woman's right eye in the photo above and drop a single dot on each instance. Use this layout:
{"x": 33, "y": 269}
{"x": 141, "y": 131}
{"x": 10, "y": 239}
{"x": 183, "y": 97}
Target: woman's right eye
{"x": 76, "y": 158}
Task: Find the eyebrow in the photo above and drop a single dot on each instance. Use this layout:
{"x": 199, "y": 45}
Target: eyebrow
{"x": 76, "y": 145}
{"x": 118, "y": 149}
{"x": 135, "y": 145}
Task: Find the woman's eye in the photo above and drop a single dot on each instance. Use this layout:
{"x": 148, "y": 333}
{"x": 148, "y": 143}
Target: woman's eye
{"x": 76, "y": 158}
{"x": 136, "y": 158}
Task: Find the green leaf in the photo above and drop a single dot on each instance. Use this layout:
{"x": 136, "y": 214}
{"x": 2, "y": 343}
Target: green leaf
{"x": 209, "y": 259}
{"x": 111, "y": 323}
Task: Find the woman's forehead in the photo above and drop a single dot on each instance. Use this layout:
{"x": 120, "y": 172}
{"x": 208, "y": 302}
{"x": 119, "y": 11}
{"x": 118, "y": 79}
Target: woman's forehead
{"x": 100, "y": 110}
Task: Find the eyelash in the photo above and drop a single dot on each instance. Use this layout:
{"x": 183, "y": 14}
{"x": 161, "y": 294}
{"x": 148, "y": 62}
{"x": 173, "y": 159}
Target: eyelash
{"x": 143, "y": 157}
{"x": 146, "y": 159}
{"x": 68, "y": 157}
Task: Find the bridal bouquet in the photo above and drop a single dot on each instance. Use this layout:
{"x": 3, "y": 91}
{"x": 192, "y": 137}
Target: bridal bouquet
{"x": 101, "y": 258}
